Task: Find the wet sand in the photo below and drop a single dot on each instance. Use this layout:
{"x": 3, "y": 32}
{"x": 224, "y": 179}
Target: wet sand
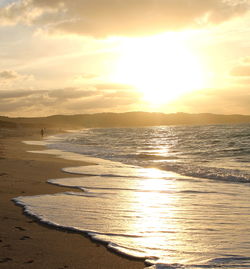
{"x": 24, "y": 242}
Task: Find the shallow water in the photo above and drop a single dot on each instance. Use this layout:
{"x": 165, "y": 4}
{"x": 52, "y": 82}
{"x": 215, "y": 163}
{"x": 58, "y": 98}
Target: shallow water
{"x": 171, "y": 219}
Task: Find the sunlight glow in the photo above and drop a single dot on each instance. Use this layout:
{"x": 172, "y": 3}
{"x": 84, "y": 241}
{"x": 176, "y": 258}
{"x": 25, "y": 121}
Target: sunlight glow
{"x": 162, "y": 67}
{"x": 149, "y": 218}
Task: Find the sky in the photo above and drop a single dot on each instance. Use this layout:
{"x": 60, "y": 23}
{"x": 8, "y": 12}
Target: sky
{"x": 91, "y": 56}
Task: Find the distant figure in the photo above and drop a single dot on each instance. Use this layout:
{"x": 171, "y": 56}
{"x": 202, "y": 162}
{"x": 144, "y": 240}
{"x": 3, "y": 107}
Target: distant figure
{"x": 42, "y": 132}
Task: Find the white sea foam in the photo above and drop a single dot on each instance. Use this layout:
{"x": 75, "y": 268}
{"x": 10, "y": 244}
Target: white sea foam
{"x": 115, "y": 169}
{"x": 37, "y": 143}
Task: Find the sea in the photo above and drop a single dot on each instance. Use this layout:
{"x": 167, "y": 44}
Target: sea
{"x": 174, "y": 196}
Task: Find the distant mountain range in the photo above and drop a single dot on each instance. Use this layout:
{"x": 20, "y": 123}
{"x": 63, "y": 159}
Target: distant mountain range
{"x": 128, "y": 119}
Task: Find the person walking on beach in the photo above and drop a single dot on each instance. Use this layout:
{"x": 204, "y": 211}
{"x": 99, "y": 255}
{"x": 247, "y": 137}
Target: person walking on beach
{"x": 42, "y": 132}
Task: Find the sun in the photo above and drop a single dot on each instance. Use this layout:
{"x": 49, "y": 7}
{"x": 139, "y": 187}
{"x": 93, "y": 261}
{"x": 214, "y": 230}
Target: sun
{"x": 162, "y": 68}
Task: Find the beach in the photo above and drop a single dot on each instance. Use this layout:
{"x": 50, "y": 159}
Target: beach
{"x": 26, "y": 243}
{"x": 160, "y": 198}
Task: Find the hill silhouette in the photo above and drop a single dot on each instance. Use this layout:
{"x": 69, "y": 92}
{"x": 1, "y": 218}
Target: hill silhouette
{"x": 127, "y": 119}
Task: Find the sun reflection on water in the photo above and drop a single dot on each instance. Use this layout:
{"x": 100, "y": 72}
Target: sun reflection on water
{"x": 155, "y": 207}
{"x": 167, "y": 217}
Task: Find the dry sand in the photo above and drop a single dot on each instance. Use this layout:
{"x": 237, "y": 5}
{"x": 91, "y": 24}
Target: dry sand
{"x": 24, "y": 242}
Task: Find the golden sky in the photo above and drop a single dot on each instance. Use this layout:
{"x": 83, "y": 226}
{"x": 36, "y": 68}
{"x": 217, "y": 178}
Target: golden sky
{"x": 88, "y": 56}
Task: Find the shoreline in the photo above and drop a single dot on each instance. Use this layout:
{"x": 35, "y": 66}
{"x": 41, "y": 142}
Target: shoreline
{"x": 26, "y": 242}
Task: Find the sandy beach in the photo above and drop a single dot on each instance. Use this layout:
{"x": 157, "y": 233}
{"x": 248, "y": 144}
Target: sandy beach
{"x": 24, "y": 242}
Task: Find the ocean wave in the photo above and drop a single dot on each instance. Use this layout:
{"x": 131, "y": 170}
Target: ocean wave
{"x": 194, "y": 151}
{"x": 221, "y": 174}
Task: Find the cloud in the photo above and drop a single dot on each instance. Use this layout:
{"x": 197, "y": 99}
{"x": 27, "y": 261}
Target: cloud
{"x": 86, "y": 76}
{"x": 54, "y": 95}
{"x": 83, "y": 100}
{"x": 26, "y": 12}
{"x": 101, "y": 18}
{"x": 241, "y": 71}
{"x": 246, "y": 60}
{"x": 113, "y": 86}
{"x": 240, "y": 74}
{"x": 70, "y": 93}
{"x": 239, "y": 81}
{"x": 65, "y": 100}
{"x": 8, "y": 75}
{"x": 14, "y": 94}
{"x": 222, "y": 101}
